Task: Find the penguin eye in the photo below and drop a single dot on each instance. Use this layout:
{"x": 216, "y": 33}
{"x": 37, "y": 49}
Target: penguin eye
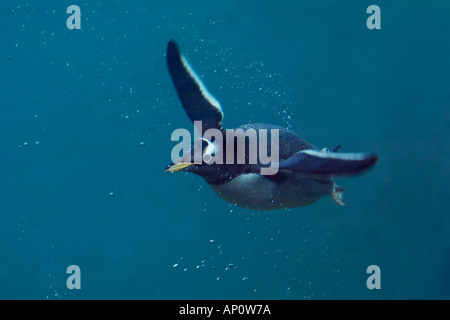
{"x": 210, "y": 152}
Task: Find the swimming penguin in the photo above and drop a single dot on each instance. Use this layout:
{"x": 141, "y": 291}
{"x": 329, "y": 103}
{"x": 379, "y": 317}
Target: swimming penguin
{"x": 304, "y": 172}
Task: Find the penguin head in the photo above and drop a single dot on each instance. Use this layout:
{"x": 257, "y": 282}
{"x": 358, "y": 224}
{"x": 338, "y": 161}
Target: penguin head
{"x": 207, "y": 168}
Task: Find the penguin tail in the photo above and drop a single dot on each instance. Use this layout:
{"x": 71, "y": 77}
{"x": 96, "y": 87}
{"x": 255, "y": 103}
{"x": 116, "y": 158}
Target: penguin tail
{"x": 337, "y": 194}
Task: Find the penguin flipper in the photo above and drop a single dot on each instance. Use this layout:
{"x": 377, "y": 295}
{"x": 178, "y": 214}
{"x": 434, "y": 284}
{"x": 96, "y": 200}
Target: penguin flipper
{"x": 328, "y": 163}
{"x": 198, "y": 103}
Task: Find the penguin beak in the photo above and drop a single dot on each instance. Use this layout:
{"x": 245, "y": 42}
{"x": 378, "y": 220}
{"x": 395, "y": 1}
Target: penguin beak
{"x": 178, "y": 167}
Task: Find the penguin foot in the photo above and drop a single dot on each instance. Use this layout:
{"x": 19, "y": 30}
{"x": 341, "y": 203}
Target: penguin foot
{"x": 337, "y": 194}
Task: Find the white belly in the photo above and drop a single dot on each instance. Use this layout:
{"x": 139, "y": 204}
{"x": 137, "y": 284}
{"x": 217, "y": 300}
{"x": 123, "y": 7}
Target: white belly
{"x": 254, "y": 191}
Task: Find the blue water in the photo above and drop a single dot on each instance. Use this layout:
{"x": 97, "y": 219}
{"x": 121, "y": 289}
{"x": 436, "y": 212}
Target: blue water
{"x": 85, "y": 123}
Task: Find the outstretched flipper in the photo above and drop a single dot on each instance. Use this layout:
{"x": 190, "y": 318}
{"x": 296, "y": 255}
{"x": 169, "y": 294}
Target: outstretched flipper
{"x": 198, "y": 103}
{"x": 328, "y": 163}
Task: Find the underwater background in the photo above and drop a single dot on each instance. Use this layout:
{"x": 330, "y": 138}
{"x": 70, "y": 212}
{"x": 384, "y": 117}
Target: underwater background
{"x": 86, "y": 118}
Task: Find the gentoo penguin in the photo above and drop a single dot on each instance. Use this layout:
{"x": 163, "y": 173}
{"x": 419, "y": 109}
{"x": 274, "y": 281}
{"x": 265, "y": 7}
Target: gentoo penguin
{"x": 304, "y": 172}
